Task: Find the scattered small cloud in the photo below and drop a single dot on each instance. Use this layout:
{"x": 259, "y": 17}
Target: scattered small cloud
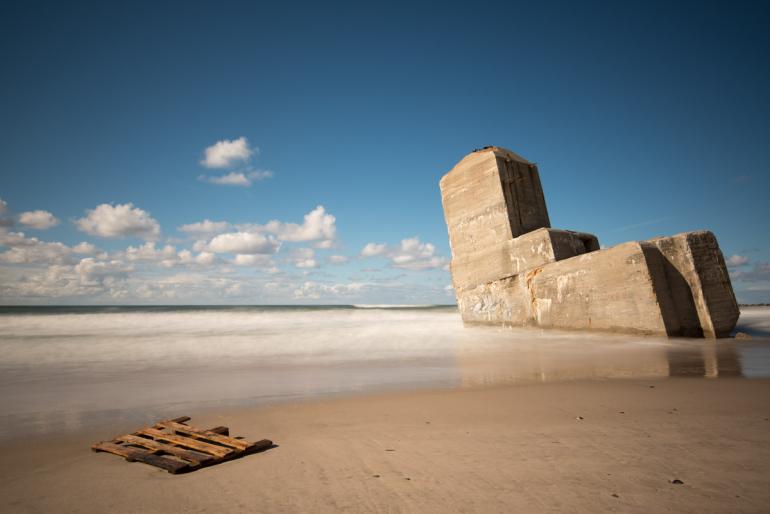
{"x": 118, "y": 221}
{"x": 303, "y": 258}
{"x": 318, "y": 225}
{"x": 373, "y": 250}
{"x": 253, "y": 260}
{"x": 735, "y": 261}
{"x": 84, "y": 248}
{"x": 411, "y": 254}
{"x": 237, "y": 178}
{"x": 244, "y": 243}
{"x": 39, "y": 220}
{"x": 338, "y": 259}
{"x": 205, "y": 228}
{"x": 226, "y": 153}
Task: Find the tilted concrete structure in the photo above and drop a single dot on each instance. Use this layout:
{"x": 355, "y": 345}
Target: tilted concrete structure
{"x": 509, "y": 267}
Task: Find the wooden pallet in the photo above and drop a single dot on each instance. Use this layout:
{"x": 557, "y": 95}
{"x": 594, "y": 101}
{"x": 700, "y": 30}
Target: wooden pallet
{"x": 179, "y": 448}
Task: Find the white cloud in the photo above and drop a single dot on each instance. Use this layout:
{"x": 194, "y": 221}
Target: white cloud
{"x": 317, "y": 225}
{"x": 225, "y": 153}
{"x": 148, "y": 252}
{"x": 256, "y": 260}
{"x": 84, "y": 248}
{"x": 314, "y": 290}
{"x": 244, "y": 243}
{"x": 338, "y": 259}
{"x": 205, "y": 228}
{"x": 115, "y": 221}
{"x": 40, "y": 220}
{"x": 303, "y": 258}
{"x": 100, "y": 273}
{"x": 3, "y": 206}
{"x": 737, "y": 260}
{"x": 237, "y": 178}
{"x": 29, "y": 250}
{"x": 373, "y": 249}
{"x": 411, "y": 254}
{"x": 205, "y": 258}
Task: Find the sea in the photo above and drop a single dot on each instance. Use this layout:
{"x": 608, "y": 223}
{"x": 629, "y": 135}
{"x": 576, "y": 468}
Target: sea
{"x": 64, "y": 369}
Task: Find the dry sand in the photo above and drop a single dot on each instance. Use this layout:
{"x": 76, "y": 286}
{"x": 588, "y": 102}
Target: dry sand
{"x": 507, "y": 449}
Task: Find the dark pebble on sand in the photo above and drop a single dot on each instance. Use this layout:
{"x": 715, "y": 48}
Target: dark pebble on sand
{"x": 615, "y": 495}
{"x": 376, "y": 476}
{"x": 677, "y": 481}
{"x": 389, "y": 450}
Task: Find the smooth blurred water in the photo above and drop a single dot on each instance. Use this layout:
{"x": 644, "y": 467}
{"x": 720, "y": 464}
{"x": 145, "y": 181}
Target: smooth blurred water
{"x": 62, "y": 368}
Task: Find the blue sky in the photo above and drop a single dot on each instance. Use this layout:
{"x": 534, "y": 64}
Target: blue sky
{"x": 645, "y": 119}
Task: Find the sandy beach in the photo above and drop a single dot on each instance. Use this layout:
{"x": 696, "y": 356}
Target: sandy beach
{"x": 585, "y": 446}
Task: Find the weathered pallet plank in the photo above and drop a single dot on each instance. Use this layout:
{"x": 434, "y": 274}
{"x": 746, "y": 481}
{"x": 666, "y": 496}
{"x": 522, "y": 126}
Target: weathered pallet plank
{"x": 197, "y": 433}
{"x": 177, "y": 448}
{"x": 176, "y": 451}
{"x": 195, "y": 444}
{"x": 136, "y": 454}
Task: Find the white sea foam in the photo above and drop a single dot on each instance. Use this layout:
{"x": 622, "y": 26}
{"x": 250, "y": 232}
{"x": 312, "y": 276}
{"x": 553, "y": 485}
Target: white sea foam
{"x": 77, "y": 364}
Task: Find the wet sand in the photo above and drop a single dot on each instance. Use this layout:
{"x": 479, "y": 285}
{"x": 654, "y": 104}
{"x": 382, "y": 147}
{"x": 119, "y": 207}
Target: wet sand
{"x": 512, "y": 448}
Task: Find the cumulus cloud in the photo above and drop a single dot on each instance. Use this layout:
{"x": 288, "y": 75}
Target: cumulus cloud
{"x": 40, "y": 220}
{"x": 116, "y": 221}
{"x": 30, "y": 250}
{"x": 92, "y": 272}
{"x": 205, "y": 228}
{"x": 84, "y": 248}
{"x": 148, "y": 252}
{"x": 254, "y": 260}
{"x": 237, "y": 178}
{"x": 303, "y": 258}
{"x": 314, "y": 290}
{"x": 317, "y": 225}
{"x": 373, "y": 250}
{"x": 225, "y": 153}
{"x": 243, "y": 243}
{"x": 736, "y": 261}
{"x": 338, "y": 259}
{"x": 411, "y": 254}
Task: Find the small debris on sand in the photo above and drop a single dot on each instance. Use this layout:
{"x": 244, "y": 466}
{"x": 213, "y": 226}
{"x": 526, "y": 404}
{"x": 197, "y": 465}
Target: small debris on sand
{"x": 676, "y": 481}
{"x": 579, "y": 418}
{"x": 742, "y": 335}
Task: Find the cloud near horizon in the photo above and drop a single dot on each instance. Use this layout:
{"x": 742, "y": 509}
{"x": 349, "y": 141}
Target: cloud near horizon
{"x": 410, "y": 254}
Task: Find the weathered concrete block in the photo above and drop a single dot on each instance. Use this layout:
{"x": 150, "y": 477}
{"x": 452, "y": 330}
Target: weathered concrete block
{"x": 519, "y": 254}
{"x": 699, "y": 283}
{"x": 509, "y": 267}
{"x": 491, "y": 196}
{"x": 615, "y": 289}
